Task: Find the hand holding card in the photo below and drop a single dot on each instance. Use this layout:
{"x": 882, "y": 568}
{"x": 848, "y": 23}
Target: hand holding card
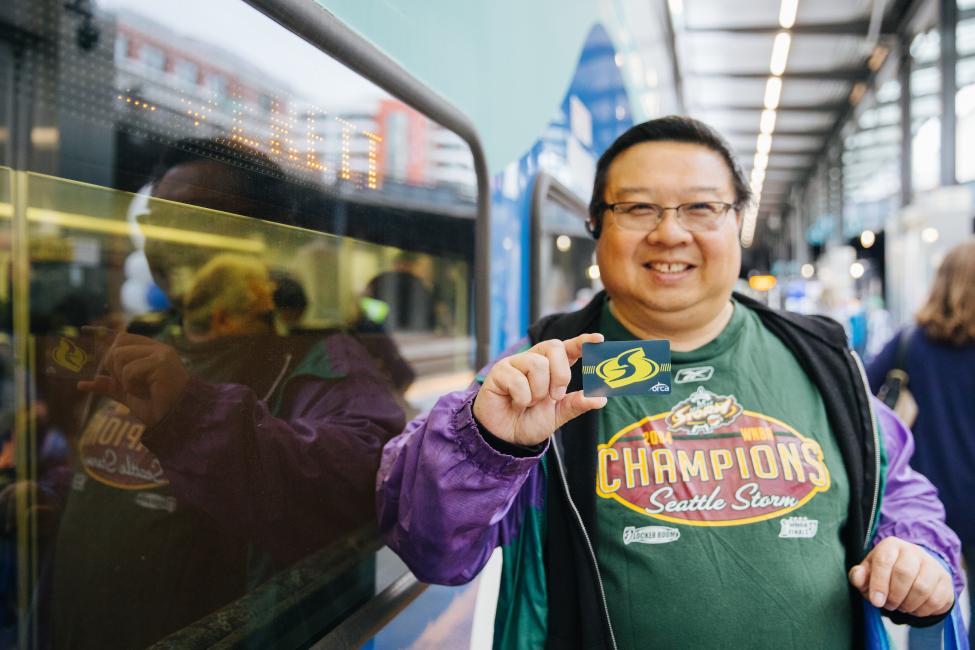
{"x": 523, "y": 399}
{"x": 145, "y": 375}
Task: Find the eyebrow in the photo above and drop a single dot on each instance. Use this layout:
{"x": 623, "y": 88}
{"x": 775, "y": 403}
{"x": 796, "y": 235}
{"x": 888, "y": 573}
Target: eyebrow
{"x": 627, "y": 191}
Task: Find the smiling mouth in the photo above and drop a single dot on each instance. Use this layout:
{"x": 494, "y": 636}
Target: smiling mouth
{"x": 668, "y": 267}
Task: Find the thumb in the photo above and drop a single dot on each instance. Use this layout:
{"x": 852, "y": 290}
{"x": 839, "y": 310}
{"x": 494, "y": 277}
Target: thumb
{"x": 104, "y": 386}
{"x": 575, "y": 404}
{"x": 860, "y": 576}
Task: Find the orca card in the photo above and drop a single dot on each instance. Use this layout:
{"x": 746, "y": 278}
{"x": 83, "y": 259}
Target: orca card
{"x": 616, "y": 368}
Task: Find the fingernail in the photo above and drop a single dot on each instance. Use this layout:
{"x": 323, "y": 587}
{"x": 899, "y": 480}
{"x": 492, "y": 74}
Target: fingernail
{"x": 878, "y": 599}
{"x": 856, "y": 575}
{"x": 559, "y": 393}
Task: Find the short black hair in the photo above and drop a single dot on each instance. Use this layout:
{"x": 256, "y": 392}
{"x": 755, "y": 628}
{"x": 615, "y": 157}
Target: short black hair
{"x": 673, "y": 128}
{"x": 288, "y": 293}
{"x": 262, "y": 189}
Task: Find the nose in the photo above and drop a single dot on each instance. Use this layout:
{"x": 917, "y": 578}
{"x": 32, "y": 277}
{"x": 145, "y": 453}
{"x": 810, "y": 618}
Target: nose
{"x": 668, "y": 231}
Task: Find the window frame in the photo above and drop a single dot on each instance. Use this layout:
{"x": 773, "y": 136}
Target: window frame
{"x": 546, "y": 188}
{"x": 312, "y": 23}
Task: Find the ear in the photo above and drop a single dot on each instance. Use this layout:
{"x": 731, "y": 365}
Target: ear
{"x": 594, "y": 227}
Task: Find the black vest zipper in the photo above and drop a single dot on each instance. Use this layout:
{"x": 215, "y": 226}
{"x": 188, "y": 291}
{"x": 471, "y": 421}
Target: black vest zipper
{"x": 585, "y": 537}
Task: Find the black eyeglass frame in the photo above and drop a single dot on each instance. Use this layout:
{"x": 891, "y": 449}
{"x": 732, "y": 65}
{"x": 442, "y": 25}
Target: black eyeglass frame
{"x": 728, "y": 207}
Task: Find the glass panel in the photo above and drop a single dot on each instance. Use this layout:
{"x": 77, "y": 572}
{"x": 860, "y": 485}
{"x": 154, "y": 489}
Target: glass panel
{"x": 926, "y": 111}
{"x": 244, "y": 270}
{"x": 871, "y": 154}
{"x": 965, "y": 102}
{"x": 567, "y": 260}
{"x": 965, "y": 37}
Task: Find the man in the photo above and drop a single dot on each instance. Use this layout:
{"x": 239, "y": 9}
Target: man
{"x": 750, "y": 507}
{"x": 217, "y": 452}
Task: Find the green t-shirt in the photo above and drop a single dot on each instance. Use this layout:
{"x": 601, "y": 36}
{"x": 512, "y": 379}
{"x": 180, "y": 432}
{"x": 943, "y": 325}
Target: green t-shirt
{"x": 720, "y": 506}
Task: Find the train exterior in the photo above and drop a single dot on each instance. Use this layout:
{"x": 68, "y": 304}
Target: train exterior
{"x": 276, "y": 197}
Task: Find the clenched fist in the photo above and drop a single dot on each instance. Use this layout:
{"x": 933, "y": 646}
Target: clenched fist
{"x": 523, "y": 399}
{"x": 145, "y": 375}
{"x": 903, "y": 576}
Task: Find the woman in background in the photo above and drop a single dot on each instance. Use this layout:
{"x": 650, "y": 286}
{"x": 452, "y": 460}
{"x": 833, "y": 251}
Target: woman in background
{"x": 940, "y": 365}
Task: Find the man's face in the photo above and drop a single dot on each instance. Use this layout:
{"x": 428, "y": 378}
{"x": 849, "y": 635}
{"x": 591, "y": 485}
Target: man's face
{"x": 669, "y": 271}
{"x": 206, "y": 184}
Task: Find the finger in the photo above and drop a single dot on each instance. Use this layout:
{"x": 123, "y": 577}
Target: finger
{"x": 536, "y": 368}
{"x": 135, "y": 376}
{"x": 923, "y": 588}
{"x": 882, "y": 559}
{"x": 124, "y": 339}
{"x": 905, "y": 572}
{"x": 940, "y": 601}
{"x": 573, "y": 347}
{"x": 859, "y": 577}
{"x": 575, "y": 404}
{"x": 123, "y": 355}
{"x": 558, "y": 366}
{"x": 511, "y": 383}
{"x": 104, "y": 386}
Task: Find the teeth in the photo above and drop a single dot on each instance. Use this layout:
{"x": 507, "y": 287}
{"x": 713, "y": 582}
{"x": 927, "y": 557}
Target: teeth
{"x": 668, "y": 268}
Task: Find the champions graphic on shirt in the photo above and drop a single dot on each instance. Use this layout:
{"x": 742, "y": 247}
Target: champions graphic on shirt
{"x": 710, "y": 462}
{"x": 111, "y": 451}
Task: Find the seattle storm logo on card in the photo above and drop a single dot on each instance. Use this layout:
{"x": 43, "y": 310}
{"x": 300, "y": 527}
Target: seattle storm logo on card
{"x": 709, "y": 462}
{"x": 628, "y": 367}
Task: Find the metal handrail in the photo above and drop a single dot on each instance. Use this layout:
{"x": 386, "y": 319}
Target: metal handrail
{"x": 319, "y": 27}
{"x": 369, "y": 619}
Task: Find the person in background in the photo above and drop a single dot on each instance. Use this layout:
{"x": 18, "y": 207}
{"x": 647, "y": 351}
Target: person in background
{"x": 290, "y": 300}
{"x": 940, "y": 364}
{"x": 406, "y": 291}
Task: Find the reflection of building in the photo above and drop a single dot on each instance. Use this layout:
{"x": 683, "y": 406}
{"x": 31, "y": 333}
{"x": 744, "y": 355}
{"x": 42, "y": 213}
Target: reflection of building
{"x": 389, "y": 140}
{"x": 167, "y": 82}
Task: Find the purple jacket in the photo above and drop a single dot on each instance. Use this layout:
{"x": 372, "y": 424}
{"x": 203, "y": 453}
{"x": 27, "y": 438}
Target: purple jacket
{"x": 445, "y": 495}
{"x": 292, "y": 475}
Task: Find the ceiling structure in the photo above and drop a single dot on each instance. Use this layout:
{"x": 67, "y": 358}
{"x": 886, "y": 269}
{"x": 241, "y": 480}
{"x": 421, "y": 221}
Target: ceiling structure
{"x": 777, "y": 77}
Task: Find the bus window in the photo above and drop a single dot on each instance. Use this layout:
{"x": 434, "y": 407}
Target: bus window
{"x": 563, "y": 251}
{"x": 229, "y": 275}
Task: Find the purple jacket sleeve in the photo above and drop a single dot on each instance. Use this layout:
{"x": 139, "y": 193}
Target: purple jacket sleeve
{"x": 445, "y": 496}
{"x": 910, "y": 509}
{"x": 290, "y": 483}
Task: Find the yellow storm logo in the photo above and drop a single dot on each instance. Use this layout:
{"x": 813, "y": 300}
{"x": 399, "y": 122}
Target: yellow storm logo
{"x": 69, "y": 356}
{"x": 628, "y": 367}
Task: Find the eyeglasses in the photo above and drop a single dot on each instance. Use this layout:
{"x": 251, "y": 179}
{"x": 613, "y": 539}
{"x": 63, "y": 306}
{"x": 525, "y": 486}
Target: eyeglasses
{"x": 699, "y": 216}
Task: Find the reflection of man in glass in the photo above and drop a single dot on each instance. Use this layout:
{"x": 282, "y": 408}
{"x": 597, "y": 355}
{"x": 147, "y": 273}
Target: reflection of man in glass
{"x": 218, "y": 451}
{"x": 192, "y": 174}
{"x": 407, "y": 295}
